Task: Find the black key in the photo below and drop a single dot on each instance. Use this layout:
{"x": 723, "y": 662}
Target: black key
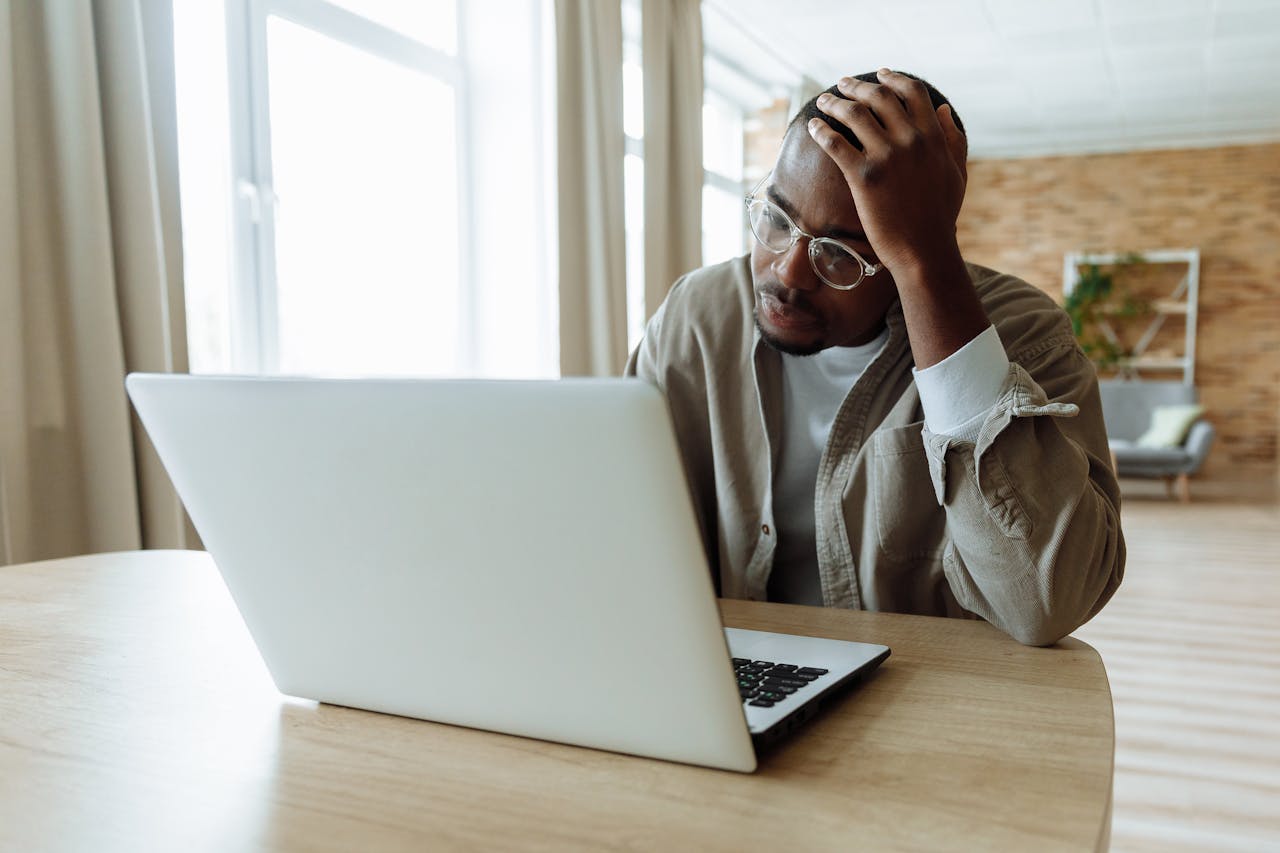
{"x": 748, "y": 683}
{"x": 764, "y": 663}
{"x": 740, "y": 661}
{"x": 779, "y": 672}
{"x": 785, "y": 682}
{"x": 811, "y": 670}
{"x": 761, "y": 703}
{"x": 778, "y": 688}
{"x": 746, "y": 694}
{"x": 771, "y": 697}
{"x": 785, "y": 667}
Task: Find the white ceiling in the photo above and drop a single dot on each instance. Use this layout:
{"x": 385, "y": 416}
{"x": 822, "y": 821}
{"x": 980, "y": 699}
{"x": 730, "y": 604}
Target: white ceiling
{"x": 1031, "y": 77}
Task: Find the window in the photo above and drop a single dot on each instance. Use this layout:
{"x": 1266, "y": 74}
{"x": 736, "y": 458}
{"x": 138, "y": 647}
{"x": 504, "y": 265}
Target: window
{"x": 723, "y": 217}
{"x": 345, "y": 197}
{"x": 633, "y": 168}
{"x": 723, "y": 115}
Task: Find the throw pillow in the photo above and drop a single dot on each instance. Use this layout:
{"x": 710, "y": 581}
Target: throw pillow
{"x": 1169, "y": 425}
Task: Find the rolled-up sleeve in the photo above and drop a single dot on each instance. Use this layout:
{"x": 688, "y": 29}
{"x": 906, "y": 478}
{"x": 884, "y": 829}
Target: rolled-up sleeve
{"x": 959, "y": 391}
{"x": 1032, "y": 505}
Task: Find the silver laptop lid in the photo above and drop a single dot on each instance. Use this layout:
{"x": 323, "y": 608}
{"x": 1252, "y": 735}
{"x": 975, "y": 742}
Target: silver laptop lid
{"x": 513, "y": 556}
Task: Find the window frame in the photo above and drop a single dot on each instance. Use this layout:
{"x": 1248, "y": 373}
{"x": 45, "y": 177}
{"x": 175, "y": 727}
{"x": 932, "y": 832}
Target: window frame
{"x": 253, "y": 314}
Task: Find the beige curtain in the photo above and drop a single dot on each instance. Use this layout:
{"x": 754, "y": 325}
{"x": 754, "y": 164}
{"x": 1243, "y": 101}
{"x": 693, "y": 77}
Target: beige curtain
{"x": 671, "y": 34}
{"x": 90, "y": 273}
{"x": 590, "y": 142}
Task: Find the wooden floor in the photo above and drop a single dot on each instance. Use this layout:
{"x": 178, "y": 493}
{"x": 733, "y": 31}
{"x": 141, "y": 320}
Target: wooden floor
{"x": 1192, "y": 646}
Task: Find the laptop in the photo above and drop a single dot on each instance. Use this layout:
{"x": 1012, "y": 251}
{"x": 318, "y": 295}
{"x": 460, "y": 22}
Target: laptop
{"x": 515, "y": 556}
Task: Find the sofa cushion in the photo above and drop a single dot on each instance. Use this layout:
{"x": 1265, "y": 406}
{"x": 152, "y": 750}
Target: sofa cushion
{"x": 1131, "y": 454}
{"x": 1169, "y": 425}
{"x": 1127, "y": 404}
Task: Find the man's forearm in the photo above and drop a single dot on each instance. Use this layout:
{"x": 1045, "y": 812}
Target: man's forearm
{"x": 940, "y": 305}
{"x": 1032, "y": 506}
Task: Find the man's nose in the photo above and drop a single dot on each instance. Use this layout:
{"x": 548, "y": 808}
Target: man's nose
{"x": 793, "y": 268}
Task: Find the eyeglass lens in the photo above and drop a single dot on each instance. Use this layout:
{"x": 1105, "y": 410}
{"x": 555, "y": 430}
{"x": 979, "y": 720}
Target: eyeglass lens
{"x": 834, "y": 263}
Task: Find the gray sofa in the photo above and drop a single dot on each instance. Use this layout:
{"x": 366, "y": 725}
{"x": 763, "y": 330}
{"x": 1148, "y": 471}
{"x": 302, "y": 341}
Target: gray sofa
{"x": 1126, "y": 408}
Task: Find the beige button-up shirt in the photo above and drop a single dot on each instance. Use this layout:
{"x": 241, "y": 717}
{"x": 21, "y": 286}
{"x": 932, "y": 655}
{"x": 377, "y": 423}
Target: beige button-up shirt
{"x": 1021, "y": 527}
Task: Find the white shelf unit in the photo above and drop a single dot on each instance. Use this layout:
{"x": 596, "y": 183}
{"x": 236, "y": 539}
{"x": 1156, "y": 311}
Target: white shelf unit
{"x": 1182, "y": 301}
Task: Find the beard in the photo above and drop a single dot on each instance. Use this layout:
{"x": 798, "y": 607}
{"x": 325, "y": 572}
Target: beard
{"x": 784, "y": 347}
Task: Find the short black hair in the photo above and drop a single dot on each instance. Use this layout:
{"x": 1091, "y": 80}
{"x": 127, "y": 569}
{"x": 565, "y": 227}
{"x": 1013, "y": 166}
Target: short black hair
{"x": 810, "y": 109}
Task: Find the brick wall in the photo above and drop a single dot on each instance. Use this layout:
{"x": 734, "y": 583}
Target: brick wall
{"x": 1021, "y": 216}
{"x": 763, "y": 132}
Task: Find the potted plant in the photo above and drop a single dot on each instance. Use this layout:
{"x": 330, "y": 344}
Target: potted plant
{"x": 1094, "y": 295}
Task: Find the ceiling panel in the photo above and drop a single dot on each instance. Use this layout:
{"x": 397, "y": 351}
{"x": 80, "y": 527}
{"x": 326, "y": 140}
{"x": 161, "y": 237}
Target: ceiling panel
{"x": 1247, "y": 23}
{"x": 1147, "y": 11}
{"x": 1251, "y": 54}
{"x": 930, "y": 20}
{"x": 1188, "y": 33}
{"x": 1018, "y": 17}
{"x": 1052, "y": 76}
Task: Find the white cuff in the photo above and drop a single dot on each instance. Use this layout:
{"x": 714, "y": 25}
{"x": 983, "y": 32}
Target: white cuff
{"x": 958, "y": 392}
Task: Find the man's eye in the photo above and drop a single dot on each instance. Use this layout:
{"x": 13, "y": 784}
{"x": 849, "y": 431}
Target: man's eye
{"x": 777, "y": 220}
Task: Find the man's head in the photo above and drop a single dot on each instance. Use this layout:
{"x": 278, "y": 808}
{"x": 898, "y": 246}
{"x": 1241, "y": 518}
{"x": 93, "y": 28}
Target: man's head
{"x": 796, "y": 311}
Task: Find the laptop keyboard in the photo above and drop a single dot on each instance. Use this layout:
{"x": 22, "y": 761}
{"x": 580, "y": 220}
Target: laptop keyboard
{"x": 764, "y": 683}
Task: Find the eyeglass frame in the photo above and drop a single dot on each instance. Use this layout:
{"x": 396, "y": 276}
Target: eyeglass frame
{"x": 868, "y": 269}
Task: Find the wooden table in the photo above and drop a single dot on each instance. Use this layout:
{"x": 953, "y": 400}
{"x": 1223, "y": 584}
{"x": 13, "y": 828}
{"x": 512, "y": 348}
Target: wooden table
{"x": 135, "y": 714}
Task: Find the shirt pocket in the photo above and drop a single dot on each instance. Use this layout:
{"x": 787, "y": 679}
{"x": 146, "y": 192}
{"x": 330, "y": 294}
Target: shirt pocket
{"x": 909, "y": 522}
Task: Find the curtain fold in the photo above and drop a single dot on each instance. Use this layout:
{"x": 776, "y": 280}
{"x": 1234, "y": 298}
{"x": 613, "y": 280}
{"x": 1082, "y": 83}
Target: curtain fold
{"x": 671, "y": 52}
{"x": 590, "y": 149}
{"x": 90, "y": 274}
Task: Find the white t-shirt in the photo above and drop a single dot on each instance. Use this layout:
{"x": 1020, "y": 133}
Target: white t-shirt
{"x": 813, "y": 387}
{"x": 956, "y": 395}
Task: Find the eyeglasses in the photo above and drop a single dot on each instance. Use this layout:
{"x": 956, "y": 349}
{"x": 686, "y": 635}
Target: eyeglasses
{"x": 835, "y": 263}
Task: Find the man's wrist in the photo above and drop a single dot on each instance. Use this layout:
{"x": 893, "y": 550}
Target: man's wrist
{"x": 941, "y": 269}
{"x": 941, "y": 306}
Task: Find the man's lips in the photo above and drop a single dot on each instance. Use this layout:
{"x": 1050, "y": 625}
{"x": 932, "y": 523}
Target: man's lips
{"x": 785, "y": 315}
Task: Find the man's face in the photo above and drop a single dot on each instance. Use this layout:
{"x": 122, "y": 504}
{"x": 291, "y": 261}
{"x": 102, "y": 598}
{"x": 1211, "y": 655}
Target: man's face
{"x": 796, "y": 311}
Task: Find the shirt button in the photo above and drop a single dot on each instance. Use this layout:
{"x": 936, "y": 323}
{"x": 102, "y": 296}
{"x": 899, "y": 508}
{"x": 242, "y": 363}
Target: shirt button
{"x": 765, "y": 528}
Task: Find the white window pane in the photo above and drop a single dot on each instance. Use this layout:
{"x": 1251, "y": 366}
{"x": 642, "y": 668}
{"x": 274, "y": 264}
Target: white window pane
{"x": 633, "y": 100}
{"x": 723, "y": 214}
{"x": 511, "y": 188}
{"x": 432, "y": 22}
{"x": 722, "y": 137}
{"x": 200, "y": 69}
{"x": 367, "y": 226}
{"x": 633, "y": 181}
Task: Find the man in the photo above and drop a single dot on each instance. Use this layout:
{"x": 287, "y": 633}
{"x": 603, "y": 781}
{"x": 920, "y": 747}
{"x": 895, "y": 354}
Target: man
{"x": 868, "y": 421}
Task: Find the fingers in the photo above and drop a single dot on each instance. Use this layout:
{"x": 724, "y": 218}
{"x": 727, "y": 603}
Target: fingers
{"x": 858, "y": 118}
{"x": 837, "y": 147}
{"x": 914, "y": 96}
{"x": 884, "y": 102}
{"x": 957, "y": 142}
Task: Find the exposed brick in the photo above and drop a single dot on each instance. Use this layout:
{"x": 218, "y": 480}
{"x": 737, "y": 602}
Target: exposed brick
{"x": 1022, "y": 216}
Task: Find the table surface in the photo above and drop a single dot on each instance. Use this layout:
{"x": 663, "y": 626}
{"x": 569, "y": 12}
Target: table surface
{"x": 135, "y": 714}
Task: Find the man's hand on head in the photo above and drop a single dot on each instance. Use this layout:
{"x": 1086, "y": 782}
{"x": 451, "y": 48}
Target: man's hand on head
{"x": 908, "y": 182}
